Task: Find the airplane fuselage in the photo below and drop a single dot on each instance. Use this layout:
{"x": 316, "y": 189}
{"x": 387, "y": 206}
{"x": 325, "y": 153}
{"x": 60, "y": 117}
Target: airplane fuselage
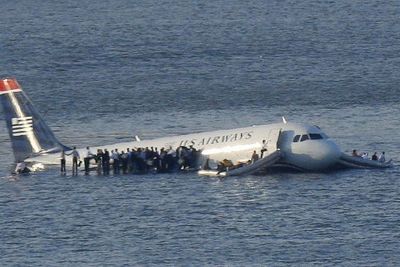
{"x": 296, "y": 145}
{"x": 312, "y": 151}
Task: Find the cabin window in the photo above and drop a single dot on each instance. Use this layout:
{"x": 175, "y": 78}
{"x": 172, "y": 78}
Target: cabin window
{"x": 315, "y": 136}
{"x": 296, "y": 138}
{"x": 304, "y": 137}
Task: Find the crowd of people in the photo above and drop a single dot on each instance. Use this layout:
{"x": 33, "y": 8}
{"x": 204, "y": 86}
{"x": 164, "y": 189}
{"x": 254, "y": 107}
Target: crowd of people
{"x": 380, "y": 158}
{"x": 133, "y": 161}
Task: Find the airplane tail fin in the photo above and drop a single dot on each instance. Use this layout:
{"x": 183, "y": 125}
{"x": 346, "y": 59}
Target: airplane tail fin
{"x": 29, "y": 134}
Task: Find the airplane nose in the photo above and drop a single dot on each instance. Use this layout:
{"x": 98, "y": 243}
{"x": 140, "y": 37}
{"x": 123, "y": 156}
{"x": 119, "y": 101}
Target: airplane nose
{"x": 328, "y": 153}
{"x": 313, "y": 155}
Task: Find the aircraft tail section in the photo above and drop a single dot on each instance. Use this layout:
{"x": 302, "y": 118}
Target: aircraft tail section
{"x": 29, "y": 134}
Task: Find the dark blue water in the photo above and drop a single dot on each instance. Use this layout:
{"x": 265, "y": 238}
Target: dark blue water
{"x": 104, "y": 72}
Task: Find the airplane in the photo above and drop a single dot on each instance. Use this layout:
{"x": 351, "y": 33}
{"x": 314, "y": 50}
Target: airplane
{"x": 298, "y": 146}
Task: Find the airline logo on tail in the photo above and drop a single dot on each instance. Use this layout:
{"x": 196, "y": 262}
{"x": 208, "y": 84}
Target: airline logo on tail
{"x": 22, "y": 126}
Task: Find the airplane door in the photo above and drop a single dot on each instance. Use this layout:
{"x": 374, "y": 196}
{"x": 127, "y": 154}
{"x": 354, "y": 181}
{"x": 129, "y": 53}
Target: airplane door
{"x": 271, "y": 142}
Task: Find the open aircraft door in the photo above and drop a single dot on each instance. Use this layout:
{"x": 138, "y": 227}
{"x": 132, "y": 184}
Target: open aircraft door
{"x": 272, "y": 141}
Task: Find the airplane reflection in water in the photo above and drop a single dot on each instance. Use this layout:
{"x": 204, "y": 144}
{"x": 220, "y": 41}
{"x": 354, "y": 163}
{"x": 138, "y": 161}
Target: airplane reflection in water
{"x": 300, "y": 146}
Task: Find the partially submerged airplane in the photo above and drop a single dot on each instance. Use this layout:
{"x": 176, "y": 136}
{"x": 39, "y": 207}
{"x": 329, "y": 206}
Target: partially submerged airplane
{"x": 296, "y": 146}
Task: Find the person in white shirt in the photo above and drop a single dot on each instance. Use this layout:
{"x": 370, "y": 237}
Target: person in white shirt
{"x": 382, "y": 157}
{"x": 86, "y": 159}
{"x": 75, "y": 158}
{"x": 115, "y": 158}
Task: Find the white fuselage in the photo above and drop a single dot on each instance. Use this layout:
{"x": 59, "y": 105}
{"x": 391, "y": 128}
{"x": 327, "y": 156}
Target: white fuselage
{"x": 312, "y": 151}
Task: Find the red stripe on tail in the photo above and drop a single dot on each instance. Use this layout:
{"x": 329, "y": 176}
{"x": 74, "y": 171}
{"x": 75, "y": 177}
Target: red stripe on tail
{"x": 9, "y": 84}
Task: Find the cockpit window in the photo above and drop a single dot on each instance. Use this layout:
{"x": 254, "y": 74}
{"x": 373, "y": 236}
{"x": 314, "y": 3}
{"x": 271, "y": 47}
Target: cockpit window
{"x": 304, "y": 137}
{"x": 315, "y": 136}
{"x": 324, "y": 136}
{"x": 312, "y": 136}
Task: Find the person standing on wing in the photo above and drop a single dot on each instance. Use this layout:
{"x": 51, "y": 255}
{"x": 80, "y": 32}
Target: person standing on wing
{"x": 99, "y": 157}
{"x": 62, "y": 161}
{"x": 105, "y": 161}
{"x": 75, "y": 158}
{"x": 115, "y": 158}
{"x": 86, "y": 159}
